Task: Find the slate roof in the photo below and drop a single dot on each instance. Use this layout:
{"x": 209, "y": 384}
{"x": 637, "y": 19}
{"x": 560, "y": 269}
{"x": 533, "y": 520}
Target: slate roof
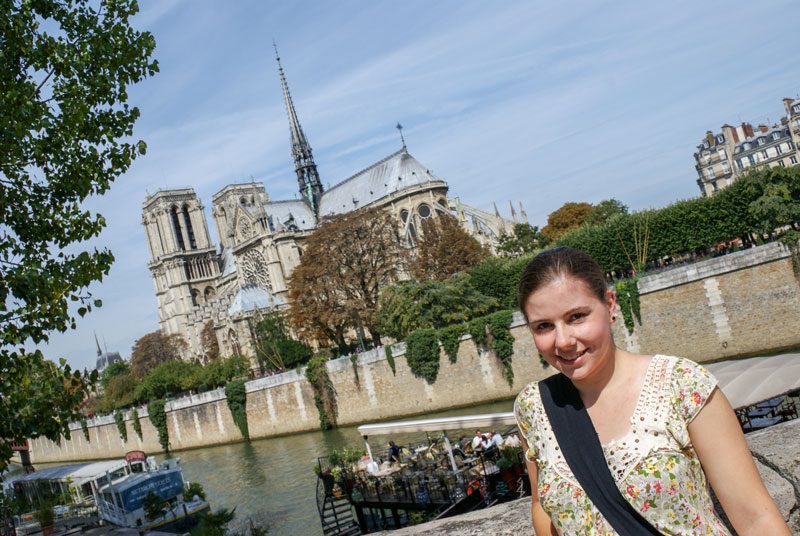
{"x": 251, "y": 297}
{"x": 105, "y": 359}
{"x": 396, "y": 172}
{"x": 228, "y": 262}
{"x": 282, "y": 212}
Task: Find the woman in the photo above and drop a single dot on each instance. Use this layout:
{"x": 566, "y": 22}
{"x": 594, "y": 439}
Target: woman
{"x": 663, "y": 425}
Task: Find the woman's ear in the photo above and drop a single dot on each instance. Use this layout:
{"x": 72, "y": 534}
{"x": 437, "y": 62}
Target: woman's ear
{"x": 611, "y": 302}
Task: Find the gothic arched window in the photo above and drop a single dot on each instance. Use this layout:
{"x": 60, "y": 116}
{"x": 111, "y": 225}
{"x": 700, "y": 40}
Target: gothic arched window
{"x": 187, "y": 220}
{"x": 176, "y": 224}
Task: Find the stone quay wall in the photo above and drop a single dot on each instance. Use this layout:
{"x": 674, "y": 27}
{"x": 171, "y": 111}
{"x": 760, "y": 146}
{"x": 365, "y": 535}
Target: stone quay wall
{"x": 741, "y": 304}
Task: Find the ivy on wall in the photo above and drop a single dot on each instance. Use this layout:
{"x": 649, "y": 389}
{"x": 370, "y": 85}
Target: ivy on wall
{"x": 503, "y": 343}
{"x": 422, "y": 354}
{"x": 628, "y": 299}
{"x": 791, "y": 239}
{"x": 119, "y": 417}
{"x": 450, "y": 337}
{"x": 137, "y": 426}
{"x": 422, "y": 345}
{"x": 158, "y": 416}
{"x": 236, "y": 394}
{"x": 354, "y": 362}
{"x": 324, "y": 395}
{"x": 477, "y": 330}
{"x": 85, "y": 428}
{"x": 390, "y": 358}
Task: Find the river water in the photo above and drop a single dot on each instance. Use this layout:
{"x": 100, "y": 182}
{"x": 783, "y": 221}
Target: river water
{"x": 272, "y": 481}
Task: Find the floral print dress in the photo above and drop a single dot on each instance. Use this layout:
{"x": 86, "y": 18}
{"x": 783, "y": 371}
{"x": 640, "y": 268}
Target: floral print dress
{"x": 654, "y": 464}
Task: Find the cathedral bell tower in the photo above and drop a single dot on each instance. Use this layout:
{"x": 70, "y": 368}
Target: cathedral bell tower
{"x": 304, "y": 166}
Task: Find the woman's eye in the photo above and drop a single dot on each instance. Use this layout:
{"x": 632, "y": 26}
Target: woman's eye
{"x": 541, "y": 327}
{"x": 578, "y": 316}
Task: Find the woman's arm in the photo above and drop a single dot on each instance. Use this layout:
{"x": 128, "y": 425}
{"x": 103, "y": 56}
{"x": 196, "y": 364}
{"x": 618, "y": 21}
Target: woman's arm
{"x": 718, "y": 440}
{"x": 542, "y": 526}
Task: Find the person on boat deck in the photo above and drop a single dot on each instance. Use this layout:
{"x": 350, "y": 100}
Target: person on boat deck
{"x": 497, "y": 439}
{"x": 486, "y": 443}
{"x": 477, "y": 441}
{"x": 394, "y": 452}
{"x": 664, "y": 428}
{"x": 512, "y": 440}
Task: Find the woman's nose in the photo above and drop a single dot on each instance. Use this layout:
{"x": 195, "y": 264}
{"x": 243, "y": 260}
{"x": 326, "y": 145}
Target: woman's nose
{"x": 564, "y": 337}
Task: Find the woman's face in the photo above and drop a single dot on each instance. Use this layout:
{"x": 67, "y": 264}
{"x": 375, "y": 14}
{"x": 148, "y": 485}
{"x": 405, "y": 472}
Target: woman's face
{"x": 571, "y": 326}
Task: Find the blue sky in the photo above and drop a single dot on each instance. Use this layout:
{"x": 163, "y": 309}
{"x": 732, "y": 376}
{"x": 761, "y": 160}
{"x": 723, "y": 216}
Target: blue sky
{"x": 542, "y": 103}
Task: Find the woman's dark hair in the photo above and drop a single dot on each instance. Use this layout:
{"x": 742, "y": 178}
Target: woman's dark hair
{"x": 553, "y": 263}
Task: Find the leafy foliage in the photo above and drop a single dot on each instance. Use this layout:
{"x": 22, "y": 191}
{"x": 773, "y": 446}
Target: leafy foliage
{"x": 503, "y": 341}
{"x": 137, "y": 425}
{"x": 158, "y": 416}
{"x": 628, "y": 299}
{"x": 194, "y": 488}
{"x": 337, "y": 284}
{"x": 316, "y": 373}
{"x": 215, "y": 524}
{"x": 791, "y": 239}
{"x": 525, "y": 239}
{"x": 450, "y": 337}
{"x": 422, "y": 354}
{"x": 411, "y": 305}
{"x": 155, "y": 349}
{"x": 354, "y": 362}
{"x": 45, "y": 514}
{"x": 498, "y": 278}
{"x": 274, "y": 345}
{"x": 154, "y": 506}
{"x": 477, "y": 330}
{"x": 64, "y": 71}
{"x": 605, "y": 210}
{"x": 120, "y": 392}
{"x": 117, "y": 368}
{"x": 444, "y": 249}
{"x": 696, "y": 224}
{"x": 236, "y": 395}
{"x": 85, "y": 429}
{"x": 167, "y": 379}
{"x": 119, "y": 418}
{"x": 570, "y": 216}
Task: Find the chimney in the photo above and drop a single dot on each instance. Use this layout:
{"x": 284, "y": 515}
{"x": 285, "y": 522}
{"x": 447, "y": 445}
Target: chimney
{"x": 787, "y": 103}
{"x": 730, "y": 133}
{"x": 710, "y": 138}
{"x": 747, "y": 128}
{"x": 784, "y": 120}
{"x": 763, "y": 128}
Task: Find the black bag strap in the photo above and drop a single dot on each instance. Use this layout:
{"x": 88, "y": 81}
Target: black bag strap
{"x": 583, "y": 452}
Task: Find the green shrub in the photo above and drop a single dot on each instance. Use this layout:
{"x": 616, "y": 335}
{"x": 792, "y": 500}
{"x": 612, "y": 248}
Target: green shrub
{"x": 390, "y": 358}
{"x": 422, "y": 354}
{"x": 450, "y": 337}
{"x": 119, "y": 417}
{"x": 237, "y": 402}
{"x": 503, "y": 345}
{"x": 194, "y": 488}
{"x": 316, "y": 373}
{"x": 158, "y": 416}
{"x": 137, "y": 426}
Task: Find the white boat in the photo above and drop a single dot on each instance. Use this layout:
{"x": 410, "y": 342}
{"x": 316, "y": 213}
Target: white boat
{"x": 117, "y": 489}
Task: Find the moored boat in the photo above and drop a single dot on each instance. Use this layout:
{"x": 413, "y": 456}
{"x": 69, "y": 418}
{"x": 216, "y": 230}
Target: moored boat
{"x": 131, "y": 493}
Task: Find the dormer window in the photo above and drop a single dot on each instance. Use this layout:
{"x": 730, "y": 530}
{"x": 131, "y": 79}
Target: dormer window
{"x": 796, "y": 108}
{"x": 761, "y": 141}
{"x": 746, "y": 146}
{"x": 776, "y": 135}
{"x": 720, "y": 139}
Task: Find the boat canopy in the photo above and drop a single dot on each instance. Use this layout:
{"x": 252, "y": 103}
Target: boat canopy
{"x": 747, "y": 381}
{"x": 466, "y": 422}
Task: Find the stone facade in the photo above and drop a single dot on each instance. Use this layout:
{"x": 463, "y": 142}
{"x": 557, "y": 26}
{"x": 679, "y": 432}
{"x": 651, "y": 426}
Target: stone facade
{"x": 723, "y": 156}
{"x": 260, "y": 241}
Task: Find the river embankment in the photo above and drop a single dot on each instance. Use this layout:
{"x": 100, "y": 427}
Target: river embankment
{"x": 745, "y": 303}
{"x": 776, "y": 452}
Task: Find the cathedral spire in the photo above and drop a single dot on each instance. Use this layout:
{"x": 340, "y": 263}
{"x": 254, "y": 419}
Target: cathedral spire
{"x": 307, "y": 175}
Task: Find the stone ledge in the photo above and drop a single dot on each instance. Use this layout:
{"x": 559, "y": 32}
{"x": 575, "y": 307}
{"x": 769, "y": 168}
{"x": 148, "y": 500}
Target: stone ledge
{"x": 713, "y": 267}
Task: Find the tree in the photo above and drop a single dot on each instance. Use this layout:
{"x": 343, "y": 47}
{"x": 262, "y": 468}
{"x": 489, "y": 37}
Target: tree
{"x": 119, "y": 393}
{"x": 347, "y": 260}
{"x": 154, "y": 349}
{"x": 569, "y": 216}
{"x": 775, "y": 208}
{"x": 65, "y": 127}
{"x": 604, "y": 210}
{"x": 274, "y": 345}
{"x": 526, "y": 239}
{"x": 444, "y": 249}
{"x": 209, "y": 342}
{"x": 115, "y": 369}
{"x": 169, "y": 378}
{"x": 411, "y": 305}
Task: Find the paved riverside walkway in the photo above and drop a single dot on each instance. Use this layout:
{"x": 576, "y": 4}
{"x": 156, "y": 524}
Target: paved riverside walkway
{"x": 776, "y": 451}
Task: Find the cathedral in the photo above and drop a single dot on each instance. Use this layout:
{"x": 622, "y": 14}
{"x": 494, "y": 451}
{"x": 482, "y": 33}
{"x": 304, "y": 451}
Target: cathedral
{"x": 200, "y": 285}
